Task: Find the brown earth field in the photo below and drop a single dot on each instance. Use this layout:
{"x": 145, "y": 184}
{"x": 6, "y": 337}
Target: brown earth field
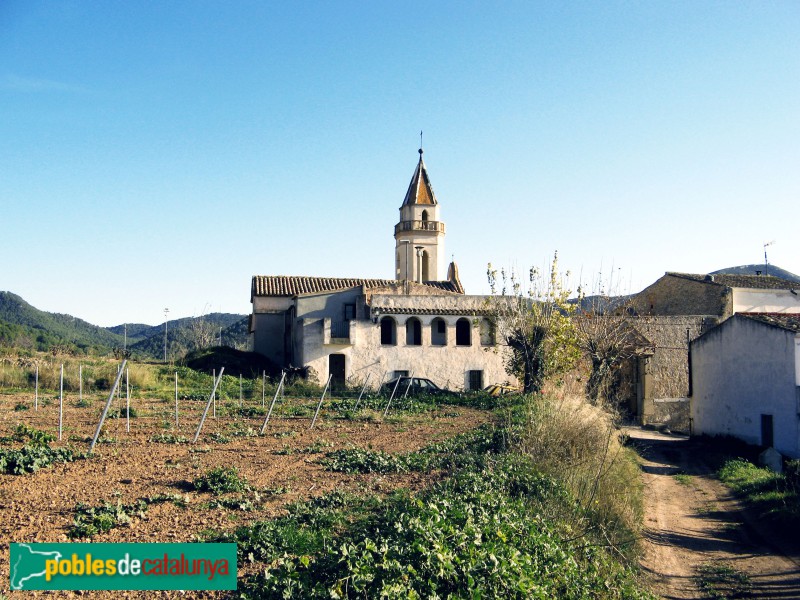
{"x": 126, "y": 466}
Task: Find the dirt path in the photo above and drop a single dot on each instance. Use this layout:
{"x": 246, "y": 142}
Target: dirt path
{"x": 698, "y": 541}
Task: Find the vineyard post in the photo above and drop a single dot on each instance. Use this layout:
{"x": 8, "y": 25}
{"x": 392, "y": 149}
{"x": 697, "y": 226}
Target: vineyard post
{"x": 271, "y": 406}
{"x": 263, "y": 387}
{"x": 36, "y": 393}
{"x": 366, "y": 381}
{"x": 107, "y": 406}
{"x": 214, "y": 393}
{"x": 127, "y": 402}
{"x": 240, "y": 390}
{"x": 208, "y": 404}
{"x": 321, "y": 398}
{"x": 389, "y": 403}
{"x": 408, "y": 387}
{"x": 80, "y": 384}
{"x": 176, "y": 398}
{"x": 61, "y": 403}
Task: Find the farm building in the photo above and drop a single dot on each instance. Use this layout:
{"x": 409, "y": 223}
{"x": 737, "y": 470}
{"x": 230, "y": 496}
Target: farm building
{"x": 352, "y": 329}
{"x": 745, "y": 376}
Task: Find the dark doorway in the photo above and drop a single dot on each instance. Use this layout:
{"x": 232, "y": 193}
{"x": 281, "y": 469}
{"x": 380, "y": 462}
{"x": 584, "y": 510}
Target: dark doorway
{"x": 337, "y": 371}
{"x": 767, "y": 431}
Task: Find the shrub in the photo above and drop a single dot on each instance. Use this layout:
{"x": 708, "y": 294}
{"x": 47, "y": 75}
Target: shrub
{"x": 221, "y": 480}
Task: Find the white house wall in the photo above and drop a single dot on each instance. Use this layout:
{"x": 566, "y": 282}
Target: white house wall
{"x": 756, "y": 300}
{"x": 741, "y": 370}
{"x": 447, "y": 366}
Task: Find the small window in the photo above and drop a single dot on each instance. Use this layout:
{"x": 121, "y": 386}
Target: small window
{"x": 463, "y": 332}
{"x": 438, "y": 332}
{"x": 424, "y": 216}
{"x": 349, "y": 312}
{"x": 475, "y": 380}
{"x": 487, "y": 333}
{"x": 388, "y": 332}
{"x": 413, "y": 332}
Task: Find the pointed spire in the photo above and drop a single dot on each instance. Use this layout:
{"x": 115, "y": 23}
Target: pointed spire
{"x": 420, "y": 190}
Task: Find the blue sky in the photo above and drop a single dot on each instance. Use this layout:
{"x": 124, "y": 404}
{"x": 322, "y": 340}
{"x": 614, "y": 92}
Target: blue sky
{"x": 159, "y": 154}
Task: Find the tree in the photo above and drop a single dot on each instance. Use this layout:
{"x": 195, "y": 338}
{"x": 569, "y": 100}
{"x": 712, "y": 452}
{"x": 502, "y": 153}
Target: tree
{"x": 607, "y": 337}
{"x": 535, "y": 324}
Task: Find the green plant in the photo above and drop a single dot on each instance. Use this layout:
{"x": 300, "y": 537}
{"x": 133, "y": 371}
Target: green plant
{"x": 168, "y": 438}
{"x": 721, "y": 580}
{"x": 20, "y": 406}
{"x": 773, "y": 495}
{"x": 221, "y": 480}
{"x": 682, "y": 478}
{"x": 90, "y": 520}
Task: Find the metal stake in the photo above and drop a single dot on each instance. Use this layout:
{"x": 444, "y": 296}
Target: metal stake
{"x": 208, "y": 405}
{"x": 366, "y": 381}
{"x": 105, "y": 409}
{"x": 321, "y": 398}
{"x": 389, "y": 403}
{"x": 271, "y": 406}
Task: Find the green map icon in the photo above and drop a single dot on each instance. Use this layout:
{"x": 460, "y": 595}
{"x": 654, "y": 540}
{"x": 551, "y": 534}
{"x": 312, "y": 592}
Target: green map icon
{"x": 28, "y": 564}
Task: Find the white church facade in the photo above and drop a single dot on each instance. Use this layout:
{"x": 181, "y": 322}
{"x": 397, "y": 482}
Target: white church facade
{"x": 357, "y": 330}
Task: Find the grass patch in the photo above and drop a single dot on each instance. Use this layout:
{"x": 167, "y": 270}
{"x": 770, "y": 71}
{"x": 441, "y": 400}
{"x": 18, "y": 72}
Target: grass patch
{"x": 683, "y": 478}
{"x": 773, "y": 495}
{"x": 720, "y": 581}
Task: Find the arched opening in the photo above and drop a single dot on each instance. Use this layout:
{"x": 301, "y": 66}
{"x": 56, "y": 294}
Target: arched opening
{"x": 388, "y": 332}
{"x": 425, "y": 266}
{"x": 413, "y": 332}
{"x": 424, "y": 216}
{"x": 463, "y": 332}
{"x": 438, "y": 332}
{"x": 487, "y": 333}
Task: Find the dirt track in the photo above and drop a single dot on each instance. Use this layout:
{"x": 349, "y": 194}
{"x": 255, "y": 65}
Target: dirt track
{"x": 698, "y": 542}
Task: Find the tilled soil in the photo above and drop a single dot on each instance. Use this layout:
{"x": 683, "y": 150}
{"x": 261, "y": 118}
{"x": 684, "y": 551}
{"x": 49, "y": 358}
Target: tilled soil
{"x": 284, "y": 462}
{"x": 699, "y": 542}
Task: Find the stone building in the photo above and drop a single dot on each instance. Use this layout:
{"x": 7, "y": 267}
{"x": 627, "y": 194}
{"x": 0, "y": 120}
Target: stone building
{"x": 678, "y": 308}
{"x": 354, "y": 329}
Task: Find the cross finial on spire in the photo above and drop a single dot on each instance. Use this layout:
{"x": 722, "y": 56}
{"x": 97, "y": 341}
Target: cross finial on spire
{"x": 420, "y": 142}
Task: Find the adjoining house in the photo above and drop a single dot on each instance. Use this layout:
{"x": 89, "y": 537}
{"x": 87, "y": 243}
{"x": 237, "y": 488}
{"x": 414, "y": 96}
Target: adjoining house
{"x": 721, "y": 296}
{"x": 745, "y": 376}
{"x": 357, "y": 330}
{"x": 677, "y": 308}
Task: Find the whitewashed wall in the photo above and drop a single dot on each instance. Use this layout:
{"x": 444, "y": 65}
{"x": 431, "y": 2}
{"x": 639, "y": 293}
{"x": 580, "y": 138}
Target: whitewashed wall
{"x": 447, "y": 366}
{"x": 741, "y": 370}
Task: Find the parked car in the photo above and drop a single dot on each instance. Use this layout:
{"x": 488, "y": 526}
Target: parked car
{"x": 418, "y": 385}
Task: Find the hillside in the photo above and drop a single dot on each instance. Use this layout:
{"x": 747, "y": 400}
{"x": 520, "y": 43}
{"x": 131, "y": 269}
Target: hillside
{"x": 25, "y": 327}
{"x": 22, "y": 325}
{"x": 184, "y": 335}
{"x": 773, "y": 271}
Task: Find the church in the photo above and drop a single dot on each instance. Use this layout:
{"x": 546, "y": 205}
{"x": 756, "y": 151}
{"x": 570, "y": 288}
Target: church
{"x": 368, "y": 331}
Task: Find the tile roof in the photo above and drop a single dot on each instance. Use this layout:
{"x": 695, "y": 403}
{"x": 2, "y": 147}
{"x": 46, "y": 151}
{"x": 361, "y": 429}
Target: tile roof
{"x": 289, "y": 285}
{"x": 420, "y": 190}
{"x": 764, "y": 282}
{"x": 788, "y": 321}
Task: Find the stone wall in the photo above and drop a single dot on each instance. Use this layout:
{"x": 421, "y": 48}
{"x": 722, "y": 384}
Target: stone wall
{"x": 669, "y": 366}
{"x": 675, "y": 295}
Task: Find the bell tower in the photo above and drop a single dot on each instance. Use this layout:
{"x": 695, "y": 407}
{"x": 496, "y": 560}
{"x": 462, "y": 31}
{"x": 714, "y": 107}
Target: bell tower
{"x": 419, "y": 236}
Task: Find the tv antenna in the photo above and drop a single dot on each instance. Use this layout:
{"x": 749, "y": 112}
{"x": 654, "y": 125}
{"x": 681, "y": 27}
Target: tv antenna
{"x": 766, "y": 262}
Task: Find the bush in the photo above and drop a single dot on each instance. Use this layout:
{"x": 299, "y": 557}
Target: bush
{"x": 578, "y": 444}
{"x": 221, "y": 480}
